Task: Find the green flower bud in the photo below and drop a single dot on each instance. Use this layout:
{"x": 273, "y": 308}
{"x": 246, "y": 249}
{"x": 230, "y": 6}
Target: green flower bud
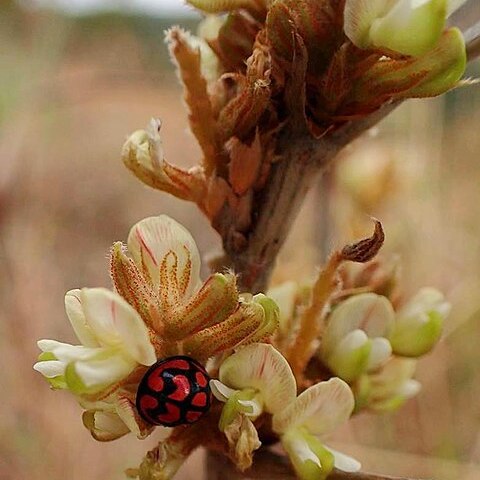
{"x": 350, "y": 359}
{"x": 409, "y": 27}
{"x": 418, "y": 325}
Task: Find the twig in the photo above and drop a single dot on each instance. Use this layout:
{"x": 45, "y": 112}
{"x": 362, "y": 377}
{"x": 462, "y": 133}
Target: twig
{"x": 303, "y": 159}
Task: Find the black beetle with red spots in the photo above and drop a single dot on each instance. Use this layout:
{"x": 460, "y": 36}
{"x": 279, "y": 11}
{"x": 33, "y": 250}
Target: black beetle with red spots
{"x": 174, "y": 391}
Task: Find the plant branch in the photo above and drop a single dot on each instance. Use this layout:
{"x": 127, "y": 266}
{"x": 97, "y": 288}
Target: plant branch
{"x": 303, "y": 158}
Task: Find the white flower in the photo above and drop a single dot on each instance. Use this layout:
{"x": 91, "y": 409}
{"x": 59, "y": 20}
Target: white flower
{"x": 159, "y": 308}
{"x": 255, "y": 379}
{"x": 418, "y": 324}
{"x": 258, "y": 379}
{"x": 304, "y": 423}
{"x": 389, "y": 388}
{"x": 114, "y": 340}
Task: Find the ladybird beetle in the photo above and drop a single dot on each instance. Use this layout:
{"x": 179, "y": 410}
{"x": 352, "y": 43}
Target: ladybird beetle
{"x": 174, "y": 391}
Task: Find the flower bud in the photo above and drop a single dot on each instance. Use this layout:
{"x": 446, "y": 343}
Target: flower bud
{"x": 143, "y": 155}
{"x": 419, "y": 323}
{"x": 392, "y": 386}
{"x": 355, "y": 340}
{"x": 350, "y": 358}
{"x": 409, "y": 27}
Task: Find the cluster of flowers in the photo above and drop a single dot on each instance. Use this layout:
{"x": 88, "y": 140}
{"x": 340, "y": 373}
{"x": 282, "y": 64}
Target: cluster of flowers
{"x": 368, "y": 344}
{"x": 270, "y": 65}
{"x": 161, "y": 308}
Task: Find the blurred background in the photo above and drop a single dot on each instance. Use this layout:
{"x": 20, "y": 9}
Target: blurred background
{"x": 75, "y": 78}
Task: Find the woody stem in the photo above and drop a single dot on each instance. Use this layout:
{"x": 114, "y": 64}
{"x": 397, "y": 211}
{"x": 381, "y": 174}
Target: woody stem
{"x": 303, "y": 158}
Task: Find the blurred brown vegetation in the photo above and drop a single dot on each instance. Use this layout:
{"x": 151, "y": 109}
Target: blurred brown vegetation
{"x": 70, "y": 91}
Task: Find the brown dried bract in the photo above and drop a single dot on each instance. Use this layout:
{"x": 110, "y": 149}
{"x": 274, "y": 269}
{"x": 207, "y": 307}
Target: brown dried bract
{"x": 365, "y": 249}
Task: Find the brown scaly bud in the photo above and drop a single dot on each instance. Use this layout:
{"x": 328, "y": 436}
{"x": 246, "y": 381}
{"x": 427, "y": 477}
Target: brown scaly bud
{"x": 202, "y": 121}
{"x": 245, "y": 161}
{"x": 235, "y": 41}
{"x": 318, "y": 23}
{"x": 242, "y": 114}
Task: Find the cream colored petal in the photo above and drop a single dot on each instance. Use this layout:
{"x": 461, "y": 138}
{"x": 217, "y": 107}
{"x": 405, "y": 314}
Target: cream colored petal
{"x": 284, "y": 296}
{"x": 359, "y": 16}
{"x": 73, "y": 307}
{"x": 411, "y": 27}
{"x": 254, "y": 407}
{"x": 153, "y": 238}
{"x": 379, "y": 354}
{"x": 261, "y": 367}
{"x": 50, "y": 368}
{"x": 353, "y": 340}
{"x": 350, "y": 358}
{"x": 220, "y": 391}
{"x": 409, "y": 388}
{"x": 319, "y": 409}
{"x": 129, "y": 415}
{"x": 344, "y": 462}
{"x": 116, "y": 324}
{"x": 101, "y": 371}
{"x": 104, "y": 426}
{"x": 369, "y": 312}
{"x": 426, "y": 300}
{"x": 393, "y": 376}
{"x": 65, "y": 352}
{"x": 309, "y": 457}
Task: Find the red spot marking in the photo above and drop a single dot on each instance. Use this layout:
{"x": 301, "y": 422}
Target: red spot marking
{"x": 147, "y": 402}
{"x": 262, "y": 366}
{"x": 113, "y": 312}
{"x": 146, "y": 247}
{"x": 155, "y": 381}
{"x": 172, "y": 415}
{"x": 181, "y": 364}
{"x": 183, "y": 388}
{"x": 200, "y": 399}
{"x": 193, "y": 416}
{"x": 201, "y": 379}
